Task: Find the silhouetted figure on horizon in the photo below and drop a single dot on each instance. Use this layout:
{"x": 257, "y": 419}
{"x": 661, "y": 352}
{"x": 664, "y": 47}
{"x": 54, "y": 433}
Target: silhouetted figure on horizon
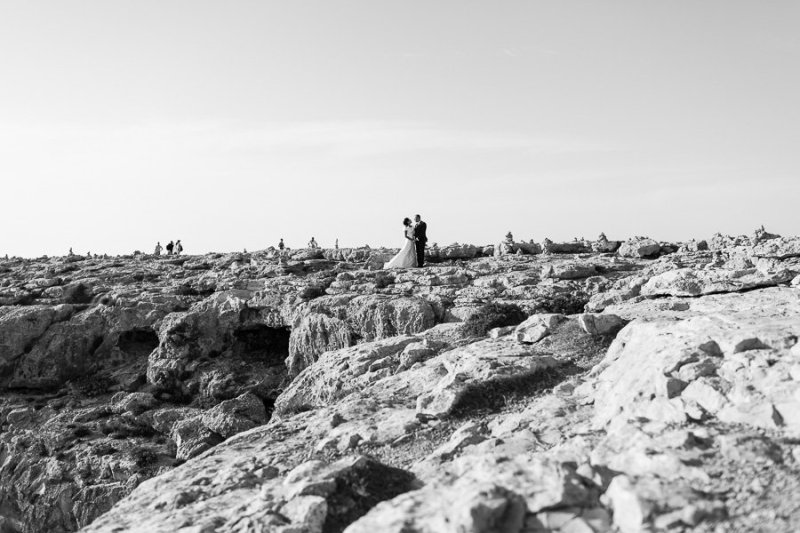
{"x": 158, "y": 248}
{"x": 170, "y": 246}
{"x": 178, "y": 247}
{"x": 281, "y": 246}
{"x": 420, "y": 239}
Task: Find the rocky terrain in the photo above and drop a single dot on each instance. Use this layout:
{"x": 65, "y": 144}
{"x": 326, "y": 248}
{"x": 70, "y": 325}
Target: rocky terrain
{"x": 523, "y": 387}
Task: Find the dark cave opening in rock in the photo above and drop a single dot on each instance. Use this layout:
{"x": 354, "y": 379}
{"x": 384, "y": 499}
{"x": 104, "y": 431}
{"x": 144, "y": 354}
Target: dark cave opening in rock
{"x": 264, "y": 349}
{"x": 269, "y": 346}
{"x": 138, "y": 342}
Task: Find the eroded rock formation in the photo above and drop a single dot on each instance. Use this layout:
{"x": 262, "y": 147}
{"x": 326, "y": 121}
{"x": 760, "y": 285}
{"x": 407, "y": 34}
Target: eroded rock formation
{"x": 646, "y": 391}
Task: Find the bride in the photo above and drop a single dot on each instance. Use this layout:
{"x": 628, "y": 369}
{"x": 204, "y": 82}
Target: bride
{"x": 408, "y": 254}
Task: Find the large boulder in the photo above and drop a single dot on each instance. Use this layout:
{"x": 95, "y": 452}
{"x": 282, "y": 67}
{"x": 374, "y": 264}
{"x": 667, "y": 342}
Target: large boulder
{"x": 692, "y": 282}
{"x": 312, "y": 335}
{"x": 723, "y": 242}
{"x": 727, "y": 363}
{"x": 458, "y": 251}
{"x": 571, "y": 270}
{"x": 479, "y": 364}
{"x": 65, "y": 351}
{"x": 483, "y": 494}
{"x": 192, "y": 437}
{"x": 234, "y": 416}
{"x": 778, "y": 248}
{"x": 331, "y": 323}
{"x": 340, "y": 372}
{"x": 574, "y": 247}
{"x": 19, "y": 327}
{"x": 640, "y": 247}
{"x": 374, "y": 317}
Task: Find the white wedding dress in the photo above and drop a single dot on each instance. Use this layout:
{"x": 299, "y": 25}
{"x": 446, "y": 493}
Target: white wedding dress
{"x": 407, "y": 257}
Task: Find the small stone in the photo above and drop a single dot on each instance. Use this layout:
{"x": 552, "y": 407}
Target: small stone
{"x": 692, "y": 515}
{"x": 496, "y": 333}
{"x": 337, "y": 420}
{"x": 630, "y": 510}
{"x": 756, "y": 486}
{"x": 576, "y": 525}
{"x": 705, "y": 394}
{"x": 600, "y": 323}
{"x": 598, "y": 518}
{"x": 307, "y": 511}
{"x": 564, "y": 389}
{"x": 557, "y": 518}
{"x": 533, "y": 334}
{"x": 670, "y": 387}
{"x": 349, "y": 442}
{"x": 796, "y": 454}
{"x": 668, "y": 520}
{"x": 692, "y": 371}
{"x": 693, "y": 410}
{"x": 751, "y": 343}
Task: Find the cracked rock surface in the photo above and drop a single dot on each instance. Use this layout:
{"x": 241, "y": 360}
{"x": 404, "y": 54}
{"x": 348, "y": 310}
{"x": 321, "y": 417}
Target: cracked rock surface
{"x": 652, "y": 388}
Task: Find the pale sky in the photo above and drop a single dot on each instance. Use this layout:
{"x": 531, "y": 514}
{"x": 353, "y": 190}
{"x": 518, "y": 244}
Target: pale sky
{"x": 231, "y": 124}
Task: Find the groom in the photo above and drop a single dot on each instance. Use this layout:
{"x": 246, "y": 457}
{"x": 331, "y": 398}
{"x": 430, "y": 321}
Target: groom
{"x": 420, "y": 239}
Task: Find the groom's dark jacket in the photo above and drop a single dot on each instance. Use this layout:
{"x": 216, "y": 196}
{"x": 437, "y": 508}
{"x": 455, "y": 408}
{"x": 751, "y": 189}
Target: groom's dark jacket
{"x": 419, "y": 232}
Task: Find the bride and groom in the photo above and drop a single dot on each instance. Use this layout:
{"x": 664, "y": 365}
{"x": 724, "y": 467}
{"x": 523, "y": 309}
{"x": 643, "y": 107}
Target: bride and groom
{"x": 413, "y": 253}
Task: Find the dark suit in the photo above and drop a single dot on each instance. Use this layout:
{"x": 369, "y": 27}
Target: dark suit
{"x": 420, "y": 240}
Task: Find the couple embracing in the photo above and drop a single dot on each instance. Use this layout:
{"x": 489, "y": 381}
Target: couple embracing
{"x": 413, "y": 253}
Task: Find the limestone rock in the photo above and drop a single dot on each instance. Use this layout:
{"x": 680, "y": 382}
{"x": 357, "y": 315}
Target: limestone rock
{"x": 134, "y": 402}
{"x": 778, "y": 248}
{"x": 234, "y": 416}
{"x": 536, "y": 327}
{"x": 569, "y": 271}
{"x": 631, "y": 513}
{"x": 192, "y": 437}
{"x": 738, "y": 379}
{"x": 457, "y": 251}
{"x": 18, "y": 328}
{"x": 488, "y": 361}
{"x": 698, "y": 391}
{"x": 486, "y": 494}
{"x": 600, "y": 324}
{"x": 312, "y": 335}
{"x": 640, "y": 247}
{"x": 688, "y": 282}
{"x": 340, "y": 372}
{"x": 575, "y": 247}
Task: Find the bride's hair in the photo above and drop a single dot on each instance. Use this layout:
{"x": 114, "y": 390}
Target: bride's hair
{"x": 406, "y": 221}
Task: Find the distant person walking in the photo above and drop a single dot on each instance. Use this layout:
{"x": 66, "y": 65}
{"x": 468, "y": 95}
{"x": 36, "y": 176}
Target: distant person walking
{"x": 313, "y": 243}
{"x": 158, "y": 248}
{"x": 178, "y": 247}
{"x": 281, "y": 246}
{"x": 170, "y": 246}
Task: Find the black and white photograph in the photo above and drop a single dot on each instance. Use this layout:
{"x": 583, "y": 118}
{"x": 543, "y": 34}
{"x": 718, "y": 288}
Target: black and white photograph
{"x": 382, "y": 266}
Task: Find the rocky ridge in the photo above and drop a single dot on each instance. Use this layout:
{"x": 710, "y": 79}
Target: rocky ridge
{"x": 652, "y": 387}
